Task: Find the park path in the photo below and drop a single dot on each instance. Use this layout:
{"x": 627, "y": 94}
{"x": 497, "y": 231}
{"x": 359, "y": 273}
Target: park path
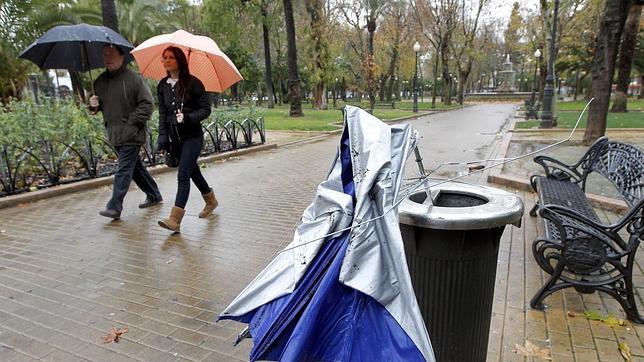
{"x": 67, "y": 275}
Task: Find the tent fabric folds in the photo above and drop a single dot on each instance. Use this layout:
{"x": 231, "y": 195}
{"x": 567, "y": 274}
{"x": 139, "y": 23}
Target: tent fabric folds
{"x": 345, "y": 296}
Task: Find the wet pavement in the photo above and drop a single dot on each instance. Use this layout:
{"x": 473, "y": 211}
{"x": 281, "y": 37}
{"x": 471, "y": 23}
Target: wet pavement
{"x": 67, "y": 275}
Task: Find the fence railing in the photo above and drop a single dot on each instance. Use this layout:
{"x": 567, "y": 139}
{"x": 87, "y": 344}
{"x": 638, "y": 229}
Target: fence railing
{"x": 53, "y": 162}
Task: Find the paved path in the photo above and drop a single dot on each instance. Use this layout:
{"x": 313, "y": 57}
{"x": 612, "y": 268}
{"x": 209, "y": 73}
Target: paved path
{"x": 67, "y": 275}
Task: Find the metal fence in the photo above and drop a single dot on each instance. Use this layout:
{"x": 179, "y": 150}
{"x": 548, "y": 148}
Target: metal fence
{"x": 54, "y": 162}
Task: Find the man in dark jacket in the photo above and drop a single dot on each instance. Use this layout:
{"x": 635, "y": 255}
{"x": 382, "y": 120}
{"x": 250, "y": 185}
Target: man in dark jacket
{"x": 126, "y": 104}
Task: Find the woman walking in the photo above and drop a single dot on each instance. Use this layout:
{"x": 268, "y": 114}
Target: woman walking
{"x": 183, "y": 104}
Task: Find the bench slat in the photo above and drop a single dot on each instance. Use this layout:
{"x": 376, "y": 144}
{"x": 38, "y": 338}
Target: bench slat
{"x": 563, "y": 193}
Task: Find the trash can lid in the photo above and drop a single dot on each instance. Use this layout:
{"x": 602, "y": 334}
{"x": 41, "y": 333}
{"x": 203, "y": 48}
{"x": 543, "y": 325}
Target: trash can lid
{"x": 460, "y": 206}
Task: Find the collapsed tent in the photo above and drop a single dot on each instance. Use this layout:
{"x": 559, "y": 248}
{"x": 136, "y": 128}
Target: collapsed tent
{"x": 341, "y": 289}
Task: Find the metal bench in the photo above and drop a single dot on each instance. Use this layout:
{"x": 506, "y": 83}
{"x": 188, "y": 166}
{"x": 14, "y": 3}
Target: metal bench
{"x": 385, "y": 104}
{"x": 579, "y": 250}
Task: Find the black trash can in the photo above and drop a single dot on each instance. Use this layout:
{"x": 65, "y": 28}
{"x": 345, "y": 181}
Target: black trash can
{"x": 451, "y": 243}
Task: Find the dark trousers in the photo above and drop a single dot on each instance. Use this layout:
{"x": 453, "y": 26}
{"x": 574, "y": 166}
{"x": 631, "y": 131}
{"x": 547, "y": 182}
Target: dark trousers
{"x": 188, "y": 153}
{"x": 131, "y": 168}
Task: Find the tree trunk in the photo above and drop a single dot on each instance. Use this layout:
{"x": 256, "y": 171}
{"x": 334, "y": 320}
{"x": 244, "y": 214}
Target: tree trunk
{"x": 371, "y": 28}
{"x": 464, "y": 75}
{"x": 294, "y": 91}
{"x": 447, "y": 79}
{"x": 610, "y": 32}
{"x": 641, "y": 95}
{"x": 435, "y": 86}
{"x": 392, "y": 70}
{"x": 267, "y": 59}
{"x": 625, "y": 59}
{"x": 108, "y": 10}
{"x": 319, "y": 97}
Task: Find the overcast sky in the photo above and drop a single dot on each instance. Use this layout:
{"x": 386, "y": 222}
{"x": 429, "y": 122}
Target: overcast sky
{"x": 501, "y": 9}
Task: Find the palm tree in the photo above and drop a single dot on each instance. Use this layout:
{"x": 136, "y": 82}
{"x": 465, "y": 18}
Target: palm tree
{"x": 23, "y": 22}
{"x": 294, "y": 91}
{"x": 141, "y": 19}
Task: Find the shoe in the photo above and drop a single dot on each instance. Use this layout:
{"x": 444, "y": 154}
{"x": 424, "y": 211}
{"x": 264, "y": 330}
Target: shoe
{"x": 211, "y": 204}
{"x": 149, "y": 202}
{"x": 110, "y": 213}
{"x": 174, "y": 221}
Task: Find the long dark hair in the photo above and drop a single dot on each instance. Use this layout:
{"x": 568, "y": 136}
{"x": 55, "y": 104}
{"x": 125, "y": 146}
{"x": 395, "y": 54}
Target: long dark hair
{"x": 184, "y": 71}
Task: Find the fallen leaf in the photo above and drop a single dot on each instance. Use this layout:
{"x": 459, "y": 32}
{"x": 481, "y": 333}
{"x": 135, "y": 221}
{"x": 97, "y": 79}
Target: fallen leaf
{"x": 571, "y": 314}
{"x": 531, "y": 350}
{"x": 609, "y": 320}
{"x": 114, "y": 335}
{"x": 33, "y": 188}
{"x": 625, "y": 351}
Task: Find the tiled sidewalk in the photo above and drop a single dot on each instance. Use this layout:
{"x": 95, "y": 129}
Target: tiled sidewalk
{"x": 67, "y": 275}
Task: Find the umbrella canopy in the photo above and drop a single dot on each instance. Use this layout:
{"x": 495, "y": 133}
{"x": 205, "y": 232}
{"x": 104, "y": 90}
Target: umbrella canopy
{"x": 347, "y": 296}
{"x": 205, "y": 60}
{"x": 75, "y": 47}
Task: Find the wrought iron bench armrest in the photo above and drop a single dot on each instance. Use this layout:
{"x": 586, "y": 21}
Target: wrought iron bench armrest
{"x": 556, "y": 168}
{"x": 563, "y": 217}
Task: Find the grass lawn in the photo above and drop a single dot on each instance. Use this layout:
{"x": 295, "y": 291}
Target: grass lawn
{"x": 278, "y": 119}
{"x": 632, "y": 105}
{"x": 615, "y": 120}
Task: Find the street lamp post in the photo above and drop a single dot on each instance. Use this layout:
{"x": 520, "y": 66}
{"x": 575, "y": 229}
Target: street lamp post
{"x": 416, "y": 49}
{"x": 537, "y": 56}
{"x": 549, "y": 89}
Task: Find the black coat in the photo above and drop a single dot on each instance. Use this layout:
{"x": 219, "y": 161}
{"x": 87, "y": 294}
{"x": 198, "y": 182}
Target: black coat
{"x": 126, "y": 104}
{"x": 196, "y": 107}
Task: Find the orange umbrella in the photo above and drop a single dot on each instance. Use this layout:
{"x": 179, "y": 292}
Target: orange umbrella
{"x": 205, "y": 60}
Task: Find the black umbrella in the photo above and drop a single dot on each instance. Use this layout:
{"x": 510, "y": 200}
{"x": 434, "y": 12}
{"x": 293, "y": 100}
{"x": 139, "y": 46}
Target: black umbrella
{"x": 75, "y": 47}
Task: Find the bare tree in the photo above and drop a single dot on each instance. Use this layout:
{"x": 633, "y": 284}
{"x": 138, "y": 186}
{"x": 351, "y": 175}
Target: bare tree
{"x": 463, "y": 50}
{"x": 437, "y": 21}
{"x": 611, "y": 27}
{"x": 352, "y": 15}
{"x": 372, "y": 10}
{"x": 396, "y": 20}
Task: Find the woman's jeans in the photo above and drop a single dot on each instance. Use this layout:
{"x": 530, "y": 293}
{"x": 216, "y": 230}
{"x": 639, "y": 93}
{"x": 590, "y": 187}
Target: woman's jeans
{"x": 189, "y": 150}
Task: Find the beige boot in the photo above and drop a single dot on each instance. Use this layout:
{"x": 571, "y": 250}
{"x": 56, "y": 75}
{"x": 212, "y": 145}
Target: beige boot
{"x": 211, "y": 204}
{"x": 174, "y": 221}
